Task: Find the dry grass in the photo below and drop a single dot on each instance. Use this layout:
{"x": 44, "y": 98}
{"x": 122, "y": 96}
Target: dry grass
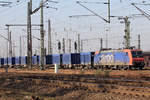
{"x": 69, "y": 71}
{"x": 23, "y": 90}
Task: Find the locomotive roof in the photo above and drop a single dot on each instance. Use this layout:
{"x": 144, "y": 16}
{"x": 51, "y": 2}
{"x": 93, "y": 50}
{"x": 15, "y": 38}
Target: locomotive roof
{"x": 119, "y": 50}
{"x": 105, "y": 51}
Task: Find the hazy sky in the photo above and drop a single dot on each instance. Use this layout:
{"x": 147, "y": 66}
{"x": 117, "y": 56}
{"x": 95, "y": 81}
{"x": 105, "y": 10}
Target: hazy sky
{"x": 88, "y": 27}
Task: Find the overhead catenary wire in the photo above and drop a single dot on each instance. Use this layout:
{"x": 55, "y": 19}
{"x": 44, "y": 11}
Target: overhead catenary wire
{"x": 55, "y": 27}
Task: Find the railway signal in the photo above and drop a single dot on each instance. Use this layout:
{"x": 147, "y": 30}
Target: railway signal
{"x": 59, "y": 46}
{"x": 75, "y": 47}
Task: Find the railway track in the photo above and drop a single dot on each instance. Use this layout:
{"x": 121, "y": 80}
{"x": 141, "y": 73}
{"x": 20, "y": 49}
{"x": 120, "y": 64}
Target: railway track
{"x": 89, "y": 83}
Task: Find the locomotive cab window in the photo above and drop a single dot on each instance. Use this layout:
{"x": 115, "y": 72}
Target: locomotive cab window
{"x": 137, "y": 54}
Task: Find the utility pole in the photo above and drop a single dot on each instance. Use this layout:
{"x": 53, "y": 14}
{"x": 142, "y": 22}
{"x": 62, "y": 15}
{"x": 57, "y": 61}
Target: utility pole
{"x": 42, "y": 37}
{"x": 9, "y": 41}
{"x": 127, "y": 32}
{"x": 14, "y": 46}
{"x": 49, "y": 38}
{"x": 29, "y": 39}
{"x": 81, "y": 45}
{"x": 139, "y": 41}
{"x": 69, "y": 45}
{"x": 29, "y": 35}
{"x": 20, "y": 46}
{"x": 101, "y": 44}
{"x": 78, "y": 43}
{"x": 108, "y": 11}
{"x": 30, "y": 12}
{"x": 63, "y": 45}
{"x": 106, "y": 40}
{"x": 10, "y": 44}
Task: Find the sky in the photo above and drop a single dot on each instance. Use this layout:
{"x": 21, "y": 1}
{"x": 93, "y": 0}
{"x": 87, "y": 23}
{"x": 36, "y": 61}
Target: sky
{"x": 90, "y": 28}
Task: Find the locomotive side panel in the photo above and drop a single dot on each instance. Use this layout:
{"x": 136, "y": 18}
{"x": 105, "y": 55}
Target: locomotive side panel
{"x": 111, "y": 59}
{"x": 121, "y": 58}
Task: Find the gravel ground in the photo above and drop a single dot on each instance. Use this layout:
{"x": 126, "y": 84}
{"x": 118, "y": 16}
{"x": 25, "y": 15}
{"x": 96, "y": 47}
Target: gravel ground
{"x": 34, "y": 90}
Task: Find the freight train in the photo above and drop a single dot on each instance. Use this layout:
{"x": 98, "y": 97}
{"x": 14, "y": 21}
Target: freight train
{"x": 108, "y": 59}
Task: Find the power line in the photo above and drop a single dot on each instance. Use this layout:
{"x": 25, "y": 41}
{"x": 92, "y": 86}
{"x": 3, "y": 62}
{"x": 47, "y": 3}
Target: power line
{"x": 142, "y": 11}
{"x": 108, "y": 3}
{"x": 12, "y": 6}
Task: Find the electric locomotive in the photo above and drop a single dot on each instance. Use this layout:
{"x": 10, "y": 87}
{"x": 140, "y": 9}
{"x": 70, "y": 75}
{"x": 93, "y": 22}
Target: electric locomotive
{"x": 119, "y": 59}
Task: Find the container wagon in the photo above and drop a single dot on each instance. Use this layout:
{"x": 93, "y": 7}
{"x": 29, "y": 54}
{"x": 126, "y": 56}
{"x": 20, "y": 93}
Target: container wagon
{"x": 17, "y": 61}
{"x": 71, "y": 60}
{"x": 34, "y": 60}
{"x": 48, "y": 61}
{"x": 9, "y": 61}
{"x": 87, "y": 59}
{"x": 13, "y": 61}
{"x": 23, "y": 60}
{"x": 5, "y": 61}
{"x": 1, "y": 62}
{"x": 56, "y": 59}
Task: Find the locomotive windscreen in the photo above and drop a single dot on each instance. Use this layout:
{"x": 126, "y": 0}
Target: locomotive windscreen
{"x": 137, "y": 54}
